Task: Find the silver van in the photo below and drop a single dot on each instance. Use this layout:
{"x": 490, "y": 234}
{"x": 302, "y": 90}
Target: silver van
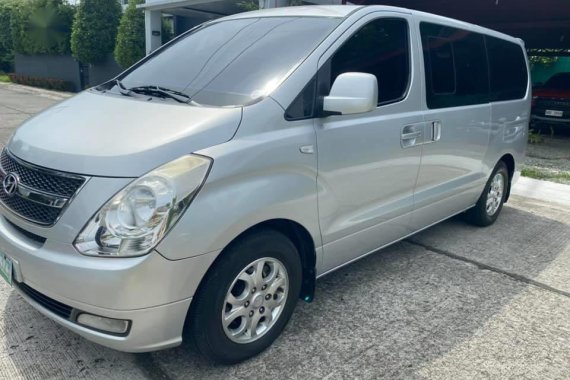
{"x": 205, "y": 189}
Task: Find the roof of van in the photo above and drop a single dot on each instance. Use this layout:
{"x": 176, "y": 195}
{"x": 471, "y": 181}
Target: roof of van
{"x": 306, "y": 10}
{"x": 342, "y": 11}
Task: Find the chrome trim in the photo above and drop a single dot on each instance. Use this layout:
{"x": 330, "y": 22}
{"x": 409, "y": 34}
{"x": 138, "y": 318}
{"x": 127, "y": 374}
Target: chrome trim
{"x": 42, "y": 169}
{"x": 41, "y": 194}
{"x": 43, "y": 198}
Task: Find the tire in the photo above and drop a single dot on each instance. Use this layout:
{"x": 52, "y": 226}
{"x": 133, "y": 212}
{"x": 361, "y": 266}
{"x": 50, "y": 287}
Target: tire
{"x": 480, "y": 215}
{"x": 231, "y": 342}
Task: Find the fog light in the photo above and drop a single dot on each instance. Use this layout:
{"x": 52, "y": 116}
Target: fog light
{"x": 115, "y": 326}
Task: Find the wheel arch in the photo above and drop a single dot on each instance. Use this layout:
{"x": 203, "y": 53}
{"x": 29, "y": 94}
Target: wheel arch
{"x": 302, "y": 240}
{"x": 509, "y": 160}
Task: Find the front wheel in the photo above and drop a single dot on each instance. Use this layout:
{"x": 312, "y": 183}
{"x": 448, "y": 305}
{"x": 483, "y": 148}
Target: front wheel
{"x": 490, "y": 204}
{"x": 247, "y": 298}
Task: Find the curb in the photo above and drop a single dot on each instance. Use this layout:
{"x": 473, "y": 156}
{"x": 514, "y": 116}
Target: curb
{"x": 36, "y": 91}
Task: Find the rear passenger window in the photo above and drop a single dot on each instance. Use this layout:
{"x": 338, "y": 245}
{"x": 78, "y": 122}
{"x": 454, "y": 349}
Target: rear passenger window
{"x": 442, "y": 66}
{"x": 456, "y": 67}
{"x": 381, "y": 48}
{"x": 508, "y": 70}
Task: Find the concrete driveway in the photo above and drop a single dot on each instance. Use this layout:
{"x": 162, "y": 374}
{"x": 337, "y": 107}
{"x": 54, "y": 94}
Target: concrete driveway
{"x": 454, "y": 302}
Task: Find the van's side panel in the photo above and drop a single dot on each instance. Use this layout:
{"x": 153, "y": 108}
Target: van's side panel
{"x": 366, "y": 177}
{"x": 255, "y": 177}
{"x": 451, "y": 176}
{"x": 509, "y": 127}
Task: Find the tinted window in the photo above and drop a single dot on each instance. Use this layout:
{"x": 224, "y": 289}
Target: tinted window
{"x": 304, "y": 105}
{"x": 234, "y": 62}
{"x": 442, "y": 66}
{"x": 560, "y": 81}
{"x": 508, "y": 69}
{"x": 380, "y": 48}
{"x": 455, "y": 65}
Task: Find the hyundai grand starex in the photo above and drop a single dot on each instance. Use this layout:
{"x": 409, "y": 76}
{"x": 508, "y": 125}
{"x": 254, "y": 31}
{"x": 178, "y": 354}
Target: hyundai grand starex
{"x": 204, "y": 190}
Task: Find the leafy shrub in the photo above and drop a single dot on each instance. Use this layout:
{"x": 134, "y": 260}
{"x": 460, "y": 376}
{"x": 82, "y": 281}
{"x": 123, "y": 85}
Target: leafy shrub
{"x": 130, "y": 39}
{"x": 42, "y": 27}
{"x": 167, "y": 30}
{"x": 534, "y": 137}
{"x": 48, "y": 83}
{"x": 6, "y": 45}
{"x": 95, "y": 30}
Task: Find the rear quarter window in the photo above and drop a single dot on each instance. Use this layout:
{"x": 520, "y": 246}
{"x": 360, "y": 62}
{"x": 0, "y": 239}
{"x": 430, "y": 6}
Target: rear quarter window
{"x": 507, "y": 68}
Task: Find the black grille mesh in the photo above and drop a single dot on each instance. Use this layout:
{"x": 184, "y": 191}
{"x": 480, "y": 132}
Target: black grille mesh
{"x": 562, "y": 105}
{"x": 35, "y": 212}
{"x": 36, "y": 179}
{"x": 59, "y": 185}
{"x": 52, "y": 305}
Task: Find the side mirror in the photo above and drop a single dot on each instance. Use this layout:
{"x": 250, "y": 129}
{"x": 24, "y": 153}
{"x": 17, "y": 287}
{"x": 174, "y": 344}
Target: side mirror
{"x": 352, "y": 93}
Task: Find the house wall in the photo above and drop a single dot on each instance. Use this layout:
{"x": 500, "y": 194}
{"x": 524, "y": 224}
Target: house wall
{"x": 63, "y": 67}
{"x": 103, "y": 71}
{"x": 66, "y": 68}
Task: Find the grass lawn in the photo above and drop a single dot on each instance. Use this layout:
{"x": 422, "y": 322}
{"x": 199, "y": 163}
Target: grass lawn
{"x": 545, "y": 174}
{"x": 4, "y": 78}
{"x": 549, "y": 159}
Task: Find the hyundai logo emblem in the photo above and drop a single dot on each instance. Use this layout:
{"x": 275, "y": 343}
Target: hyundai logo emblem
{"x": 10, "y": 183}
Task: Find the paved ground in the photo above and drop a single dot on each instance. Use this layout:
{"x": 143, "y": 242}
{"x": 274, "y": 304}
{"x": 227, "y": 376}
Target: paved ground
{"x": 454, "y": 302}
{"x": 550, "y": 159}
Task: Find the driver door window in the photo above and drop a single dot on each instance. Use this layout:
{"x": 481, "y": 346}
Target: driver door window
{"x": 381, "y": 48}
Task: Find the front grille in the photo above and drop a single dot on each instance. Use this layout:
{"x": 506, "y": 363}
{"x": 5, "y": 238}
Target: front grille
{"x": 50, "y": 183}
{"x": 37, "y": 213}
{"x": 553, "y": 104}
{"x": 52, "y": 305}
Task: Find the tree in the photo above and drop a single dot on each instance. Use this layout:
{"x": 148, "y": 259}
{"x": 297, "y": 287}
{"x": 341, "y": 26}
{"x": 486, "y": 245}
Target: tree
{"x": 130, "y": 45}
{"x": 42, "y": 27}
{"x": 7, "y": 8}
{"x": 95, "y": 30}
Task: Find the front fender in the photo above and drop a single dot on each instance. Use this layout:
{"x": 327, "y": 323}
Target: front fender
{"x": 252, "y": 180}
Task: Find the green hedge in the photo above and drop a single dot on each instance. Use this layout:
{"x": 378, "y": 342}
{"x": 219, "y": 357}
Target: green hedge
{"x": 95, "y": 30}
{"x": 130, "y": 39}
{"x": 42, "y": 27}
{"x": 48, "y": 83}
{"x": 6, "y": 45}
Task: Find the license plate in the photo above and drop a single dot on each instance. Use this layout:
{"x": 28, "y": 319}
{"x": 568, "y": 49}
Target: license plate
{"x": 6, "y": 268}
{"x": 553, "y": 113}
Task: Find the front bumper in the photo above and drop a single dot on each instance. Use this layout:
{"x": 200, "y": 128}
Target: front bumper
{"x": 150, "y": 291}
{"x": 550, "y": 120}
{"x": 151, "y": 329}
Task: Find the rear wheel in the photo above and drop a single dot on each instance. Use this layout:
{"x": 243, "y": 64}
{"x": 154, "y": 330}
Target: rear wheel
{"x": 490, "y": 204}
{"x": 247, "y": 298}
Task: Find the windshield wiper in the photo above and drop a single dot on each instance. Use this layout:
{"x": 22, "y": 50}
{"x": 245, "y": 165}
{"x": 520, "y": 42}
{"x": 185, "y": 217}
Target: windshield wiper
{"x": 122, "y": 89}
{"x": 161, "y": 91}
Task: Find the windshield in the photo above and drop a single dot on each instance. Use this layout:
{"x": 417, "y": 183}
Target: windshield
{"x": 560, "y": 81}
{"x": 234, "y": 62}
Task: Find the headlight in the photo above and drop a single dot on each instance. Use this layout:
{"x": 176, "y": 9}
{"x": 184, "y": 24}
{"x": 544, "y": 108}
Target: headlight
{"x": 135, "y": 220}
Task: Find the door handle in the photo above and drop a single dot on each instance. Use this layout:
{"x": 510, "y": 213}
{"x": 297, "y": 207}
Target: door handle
{"x": 435, "y": 130}
{"x": 411, "y": 135}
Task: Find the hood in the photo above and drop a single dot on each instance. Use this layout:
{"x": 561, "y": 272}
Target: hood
{"x": 551, "y": 93}
{"x": 116, "y": 136}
